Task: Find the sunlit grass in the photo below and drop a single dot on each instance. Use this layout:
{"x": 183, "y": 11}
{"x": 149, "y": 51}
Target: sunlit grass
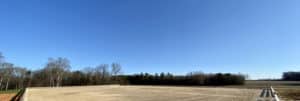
{"x": 9, "y": 91}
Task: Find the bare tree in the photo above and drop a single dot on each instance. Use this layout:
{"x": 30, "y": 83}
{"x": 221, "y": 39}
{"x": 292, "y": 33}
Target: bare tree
{"x": 2, "y": 72}
{"x": 8, "y": 71}
{"x": 102, "y": 72}
{"x": 20, "y": 74}
{"x": 89, "y": 71}
{"x": 1, "y": 58}
{"x": 56, "y": 69}
{"x": 115, "y": 70}
{"x": 50, "y": 71}
{"x": 64, "y": 65}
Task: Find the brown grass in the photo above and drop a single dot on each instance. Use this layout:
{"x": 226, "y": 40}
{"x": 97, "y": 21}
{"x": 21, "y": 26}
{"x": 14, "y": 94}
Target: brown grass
{"x": 287, "y": 90}
{"x": 289, "y": 94}
{"x": 6, "y": 97}
{"x": 140, "y": 93}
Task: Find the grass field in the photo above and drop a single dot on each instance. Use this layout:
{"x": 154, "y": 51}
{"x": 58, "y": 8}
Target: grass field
{"x": 140, "y": 93}
{"x": 287, "y": 90}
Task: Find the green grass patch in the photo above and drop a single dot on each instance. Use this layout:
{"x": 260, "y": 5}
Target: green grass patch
{"x": 9, "y": 91}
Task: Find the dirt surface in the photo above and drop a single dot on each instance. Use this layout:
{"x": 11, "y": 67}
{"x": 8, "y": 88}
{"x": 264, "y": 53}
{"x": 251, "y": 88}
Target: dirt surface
{"x": 140, "y": 93}
{"x": 6, "y": 97}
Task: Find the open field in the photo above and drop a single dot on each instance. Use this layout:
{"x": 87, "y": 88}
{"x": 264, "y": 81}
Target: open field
{"x": 140, "y": 93}
{"x": 287, "y": 90}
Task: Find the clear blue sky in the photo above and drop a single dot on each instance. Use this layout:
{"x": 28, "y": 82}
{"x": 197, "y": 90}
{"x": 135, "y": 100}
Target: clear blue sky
{"x": 257, "y": 37}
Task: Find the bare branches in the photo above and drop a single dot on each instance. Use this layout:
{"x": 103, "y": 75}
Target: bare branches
{"x": 116, "y": 69}
{"x": 1, "y": 58}
{"x": 55, "y": 69}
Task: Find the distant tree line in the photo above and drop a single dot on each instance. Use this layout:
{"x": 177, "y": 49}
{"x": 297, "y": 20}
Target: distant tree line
{"x": 194, "y": 78}
{"x": 291, "y": 76}
{"x": 57, "y": 72}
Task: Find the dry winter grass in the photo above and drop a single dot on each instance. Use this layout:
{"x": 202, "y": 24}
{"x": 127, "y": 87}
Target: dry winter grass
{"x": 140, "y": 93}
{"x": 6, "y": 97}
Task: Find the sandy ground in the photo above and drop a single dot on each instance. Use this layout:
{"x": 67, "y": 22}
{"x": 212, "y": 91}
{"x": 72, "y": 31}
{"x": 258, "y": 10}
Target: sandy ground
{"x": 140, "y": 93}
{"x": 6, "y": 97}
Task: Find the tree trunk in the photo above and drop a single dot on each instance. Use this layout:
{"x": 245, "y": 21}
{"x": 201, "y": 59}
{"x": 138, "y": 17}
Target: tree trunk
{"x": 1, "y": 83}
{"x": 7, "y": 84}
{"x": 29, "y": 82}
{"x": 21, "y": 83}
{"x": 57, "y": 81}
{"x": 51, "y": 82}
